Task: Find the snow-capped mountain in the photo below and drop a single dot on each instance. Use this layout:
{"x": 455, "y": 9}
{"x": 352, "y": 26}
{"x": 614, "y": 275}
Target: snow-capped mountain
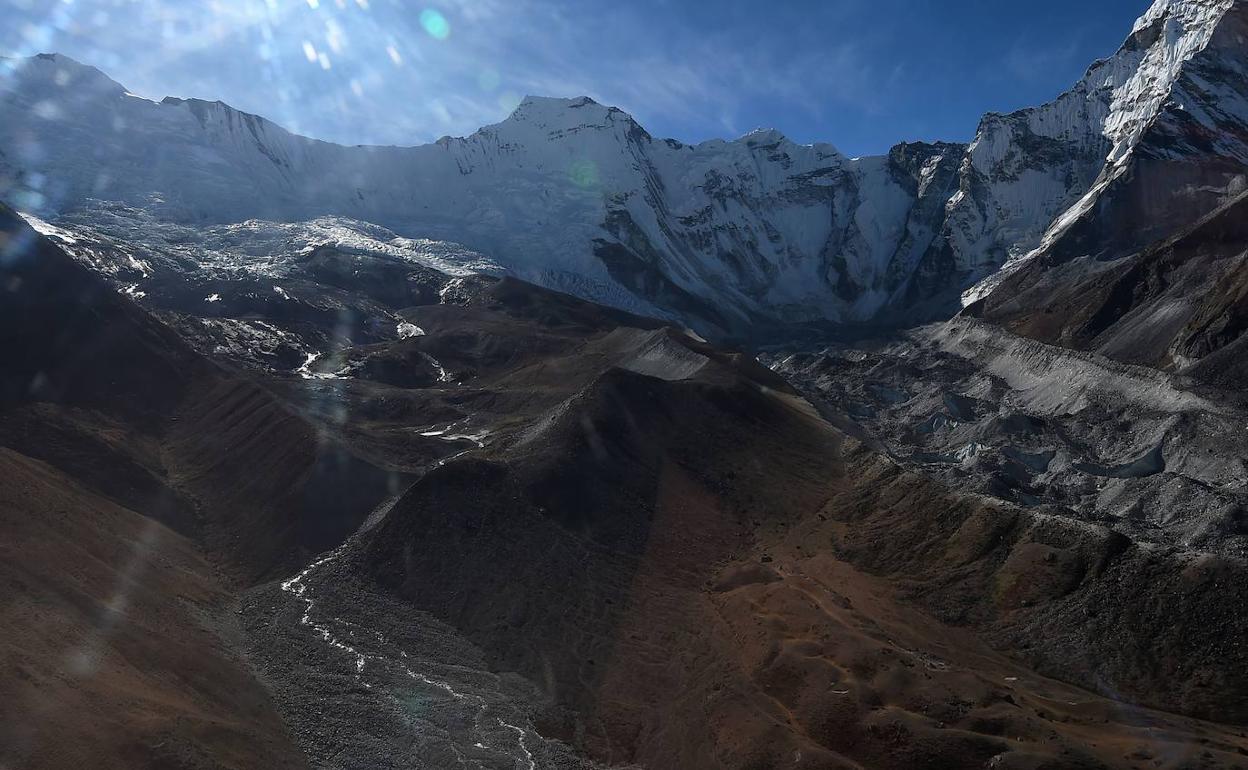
{"x": 1150, "y": 140}
{"x": 730, "y": 236}
{"x": 568, "y": 193}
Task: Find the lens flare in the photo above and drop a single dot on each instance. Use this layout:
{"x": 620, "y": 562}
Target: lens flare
{"x": 435, "y": 24}
{"x": 584, "y": 173}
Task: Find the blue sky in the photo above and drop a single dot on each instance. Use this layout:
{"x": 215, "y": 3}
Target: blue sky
{"x": 861, "y": 74}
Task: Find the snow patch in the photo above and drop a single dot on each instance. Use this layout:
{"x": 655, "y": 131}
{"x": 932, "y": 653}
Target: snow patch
{"x": 407, "y": 330}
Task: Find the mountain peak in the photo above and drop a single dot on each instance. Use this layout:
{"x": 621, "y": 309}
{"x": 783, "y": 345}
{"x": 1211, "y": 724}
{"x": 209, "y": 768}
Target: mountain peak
{"x": 557, "y": 114}
{"x": 582, "y": 108}
{"x": 1191, "y": 11}
{"x": 1150, "y": 62}
{"x": 545, "y": 106}
{"x": 55, "y": 74}
{"x": 557, "y": 102}
{"x": 764, "y": 136}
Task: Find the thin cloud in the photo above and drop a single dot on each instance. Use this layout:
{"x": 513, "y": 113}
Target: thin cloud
{"x": 369, "y": 71}
{"x": 1032, "y": 63}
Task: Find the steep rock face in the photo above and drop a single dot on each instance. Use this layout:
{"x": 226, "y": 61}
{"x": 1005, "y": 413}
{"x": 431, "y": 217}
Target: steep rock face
{"x": 1184, "y": 157}
{"x": 732, "y": 237}
{"x": 95, "y": 386}
{"x": 1147, "y": 267}
{"x": 1179, "y": 304}
{"x": 1038, "y": 177}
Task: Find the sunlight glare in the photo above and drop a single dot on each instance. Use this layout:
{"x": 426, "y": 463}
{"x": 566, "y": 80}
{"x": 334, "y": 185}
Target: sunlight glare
{"x": 584, "y": 173}
{"x": 508, "y": 101}
{"x": 435, "y": 24}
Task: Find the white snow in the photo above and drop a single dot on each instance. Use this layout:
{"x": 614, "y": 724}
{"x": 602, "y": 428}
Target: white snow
{"x": 757, "y": 226}
{"x": 1096, "y": 124}
{"x": 44, "y": 228}
{"x": 257, "y": 247}
{"x": 305, "y": 371}
{"x": 533, "y": 191}
{"x": 443, "y": 374}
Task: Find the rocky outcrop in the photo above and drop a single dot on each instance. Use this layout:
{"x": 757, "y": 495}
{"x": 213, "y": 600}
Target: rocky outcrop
{"x": 1178, "y": 305}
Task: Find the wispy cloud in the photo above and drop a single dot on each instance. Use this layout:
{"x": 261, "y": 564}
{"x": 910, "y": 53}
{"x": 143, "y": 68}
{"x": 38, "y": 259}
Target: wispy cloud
{"x": 366, "y": 70}
{"x": 863, "y": 73}
{"x": 1033, "y": 62}
{"x": 679, "y": 74}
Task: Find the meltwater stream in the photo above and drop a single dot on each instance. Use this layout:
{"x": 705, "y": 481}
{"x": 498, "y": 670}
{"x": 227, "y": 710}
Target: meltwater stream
{"x": 365, "y": 680}
{"x": 488, "y": 733}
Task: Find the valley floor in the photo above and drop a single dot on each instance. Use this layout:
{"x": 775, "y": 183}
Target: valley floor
{"x": 494, "y": 526}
